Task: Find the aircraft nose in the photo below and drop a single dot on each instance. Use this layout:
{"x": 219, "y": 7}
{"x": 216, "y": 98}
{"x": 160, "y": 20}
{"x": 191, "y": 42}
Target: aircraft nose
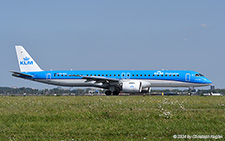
{"x": 207, "y": 81}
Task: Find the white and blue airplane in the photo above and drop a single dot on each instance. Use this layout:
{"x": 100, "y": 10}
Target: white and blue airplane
{"x": 115, "y": 81}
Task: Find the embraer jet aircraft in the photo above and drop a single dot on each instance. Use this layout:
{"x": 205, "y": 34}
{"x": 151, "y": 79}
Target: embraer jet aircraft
{"x": 115, "y": 81}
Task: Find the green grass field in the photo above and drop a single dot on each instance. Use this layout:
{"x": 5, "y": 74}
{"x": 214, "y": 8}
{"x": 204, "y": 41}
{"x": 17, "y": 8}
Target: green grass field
{"x": 110, "y": 117}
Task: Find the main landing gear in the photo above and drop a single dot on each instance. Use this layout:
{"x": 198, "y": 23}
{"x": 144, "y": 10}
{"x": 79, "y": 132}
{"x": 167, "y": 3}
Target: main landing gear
{"x": 190, "y": 91}
{"x": 110, "y": 93}
{"x": 115, "y": 93}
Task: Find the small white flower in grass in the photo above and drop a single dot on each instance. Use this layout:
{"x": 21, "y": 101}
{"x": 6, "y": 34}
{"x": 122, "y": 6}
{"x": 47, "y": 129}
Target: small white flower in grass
{"x": 181, "y": 106}
{"x": 144, "y": 138}
{"x": 166, "y": 114}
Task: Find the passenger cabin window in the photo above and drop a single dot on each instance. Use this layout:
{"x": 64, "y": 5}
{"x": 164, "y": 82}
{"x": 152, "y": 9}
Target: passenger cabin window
{"x": 149, "y": 75}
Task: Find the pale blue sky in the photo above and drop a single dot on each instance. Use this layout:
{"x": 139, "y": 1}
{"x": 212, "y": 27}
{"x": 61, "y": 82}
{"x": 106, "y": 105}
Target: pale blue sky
{"x": 87, "y": 34}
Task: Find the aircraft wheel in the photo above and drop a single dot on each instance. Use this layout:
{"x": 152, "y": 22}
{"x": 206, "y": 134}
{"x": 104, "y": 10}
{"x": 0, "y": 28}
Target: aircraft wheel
{"x": 108, "y": 92}
{"x": 189, "y": 93}
{"x": 115, "y": 93}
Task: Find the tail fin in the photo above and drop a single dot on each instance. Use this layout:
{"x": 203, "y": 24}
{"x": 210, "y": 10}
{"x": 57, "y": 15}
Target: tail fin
{"x": 26, "y": 62}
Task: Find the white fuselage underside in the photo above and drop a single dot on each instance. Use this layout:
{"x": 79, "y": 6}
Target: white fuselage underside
{"x": 83, "y": 83}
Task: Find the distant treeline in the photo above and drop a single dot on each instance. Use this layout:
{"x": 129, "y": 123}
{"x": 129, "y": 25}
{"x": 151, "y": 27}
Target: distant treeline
{"x": 23, "y": 90}
{"x": 60, "y": 91}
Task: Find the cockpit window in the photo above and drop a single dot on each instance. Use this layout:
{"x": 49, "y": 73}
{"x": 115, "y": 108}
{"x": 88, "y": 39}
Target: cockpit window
{"x": 197, "y": 75}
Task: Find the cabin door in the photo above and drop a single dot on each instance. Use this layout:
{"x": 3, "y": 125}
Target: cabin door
{"x": 48, "y": 76}
{"x": 188, "y": 77}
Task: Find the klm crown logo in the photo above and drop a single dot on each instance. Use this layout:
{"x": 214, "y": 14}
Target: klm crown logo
{"x": 26, "y": 61}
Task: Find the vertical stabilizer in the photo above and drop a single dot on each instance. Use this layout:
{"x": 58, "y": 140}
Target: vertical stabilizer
{"x": 26, "y": 62}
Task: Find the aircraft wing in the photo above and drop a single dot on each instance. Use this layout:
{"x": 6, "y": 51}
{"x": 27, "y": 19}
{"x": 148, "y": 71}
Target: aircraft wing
{"x": 99, "y": 79}
{"x": 18, "y": 74}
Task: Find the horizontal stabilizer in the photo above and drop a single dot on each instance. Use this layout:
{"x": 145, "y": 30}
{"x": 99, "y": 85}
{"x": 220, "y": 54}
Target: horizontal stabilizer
{"x": 18, "y": 74}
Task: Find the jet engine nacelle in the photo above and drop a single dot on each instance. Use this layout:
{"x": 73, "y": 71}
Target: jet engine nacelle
{"x": 132, "y": 87}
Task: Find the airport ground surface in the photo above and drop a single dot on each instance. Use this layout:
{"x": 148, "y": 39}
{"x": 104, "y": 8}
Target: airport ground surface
{"x": 110, "y": 117}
